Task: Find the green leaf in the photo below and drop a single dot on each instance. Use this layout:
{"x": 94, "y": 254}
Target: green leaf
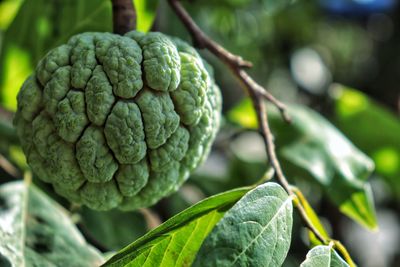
{"x": 312, "y": 215}
{"x": 175, "y": 242}
{"x": 323, "y": 256}
{"x": 256, "y": 231}
{"x": 372, "y": 128}
{"x": 244, "y": 114}
{"x": 146, "y": 11}
{"x": 331, "y": 159}
{"x": 36, "y": 231}
{"x": 312, "y": 146}
{"x": 8, "y": 10}
{"x": 39, "y": 26}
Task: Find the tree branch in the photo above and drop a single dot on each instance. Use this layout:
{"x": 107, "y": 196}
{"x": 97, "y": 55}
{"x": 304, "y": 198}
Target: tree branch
{"x": 257, "y": 94}
{"x": 201, "y": 40}
{"x": 234, "y": 62}
{"x": 124, "y": 16}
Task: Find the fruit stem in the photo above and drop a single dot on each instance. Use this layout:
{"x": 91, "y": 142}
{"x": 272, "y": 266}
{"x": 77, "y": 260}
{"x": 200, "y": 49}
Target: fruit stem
{"x": 124, "y": 16}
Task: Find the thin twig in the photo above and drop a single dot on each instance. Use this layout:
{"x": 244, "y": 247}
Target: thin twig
{"x": 265, "y": 130}
{"x": 7, "y": 166}
{"x": 261, "y": 92}
{"x": 124, "y": 16}
{"x": 201, "y": 40}
{"x": 235, "y": 62}
{"x": 257, "y": 94}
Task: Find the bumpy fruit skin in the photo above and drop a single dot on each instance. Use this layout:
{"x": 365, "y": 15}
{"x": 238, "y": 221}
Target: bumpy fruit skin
{"x": 118, "y": 121}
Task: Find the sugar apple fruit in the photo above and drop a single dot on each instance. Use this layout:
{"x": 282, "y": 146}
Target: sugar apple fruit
{"x": 118, "y": 121}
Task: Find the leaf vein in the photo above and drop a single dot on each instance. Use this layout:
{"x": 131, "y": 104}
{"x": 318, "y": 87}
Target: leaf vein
{"x": 262, "y": 230}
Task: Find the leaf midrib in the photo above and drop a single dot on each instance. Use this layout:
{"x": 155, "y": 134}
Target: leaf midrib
{"x": 262, "y": 230}
{"x": 227, "y": 196}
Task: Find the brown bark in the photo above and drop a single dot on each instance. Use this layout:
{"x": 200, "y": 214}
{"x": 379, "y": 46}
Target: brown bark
{"x": 124, "y": 16}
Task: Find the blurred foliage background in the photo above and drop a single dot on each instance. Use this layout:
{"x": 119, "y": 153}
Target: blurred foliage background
{"x": 340, "y": 58}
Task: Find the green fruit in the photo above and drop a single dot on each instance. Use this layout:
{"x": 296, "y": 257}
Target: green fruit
{"x": 118, "y": 121}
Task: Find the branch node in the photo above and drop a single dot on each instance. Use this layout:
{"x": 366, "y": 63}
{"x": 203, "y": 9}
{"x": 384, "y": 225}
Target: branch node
{"x": 257, "y": 93}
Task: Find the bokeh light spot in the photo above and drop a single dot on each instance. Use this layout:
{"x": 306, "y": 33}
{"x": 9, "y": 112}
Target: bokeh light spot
{"x": 387, "y": 160}
{"x": 17, "y": 67}
{"x": 43, "y": 26}
{"x": 351, "y": 102}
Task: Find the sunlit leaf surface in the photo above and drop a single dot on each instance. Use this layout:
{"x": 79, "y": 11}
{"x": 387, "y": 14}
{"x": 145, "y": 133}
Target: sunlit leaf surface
{"x": 312, "y": 146}
{"x": 146, "y": 11}
{"x": 36, "y": 231}
{"x": 372, "y": 128}
{"x": 8, "y": 10}
{"x": 256, "y": 231}
{"x": 175, "y": 242}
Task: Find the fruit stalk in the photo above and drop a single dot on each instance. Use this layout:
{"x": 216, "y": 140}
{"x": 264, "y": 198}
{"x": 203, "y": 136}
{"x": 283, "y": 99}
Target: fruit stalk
{"x": 124, "y": 16}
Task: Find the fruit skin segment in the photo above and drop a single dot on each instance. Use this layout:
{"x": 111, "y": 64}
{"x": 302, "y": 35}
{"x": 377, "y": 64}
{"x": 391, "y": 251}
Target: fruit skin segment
{"x": 118, "y": 121}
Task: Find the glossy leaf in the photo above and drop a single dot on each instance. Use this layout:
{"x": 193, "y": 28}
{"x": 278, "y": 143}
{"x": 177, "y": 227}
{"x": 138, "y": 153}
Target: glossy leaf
{"x": 39, "y": 26}
{"x": 146, "y": 11}
{"x": 256, "y": 231}
{"x": 36, "y": 231}
{"x": 175, "y": 242}
{"x": 313, "y": 147}
{"x": 323, "y": 256}
{"x": 372, "y": 128}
